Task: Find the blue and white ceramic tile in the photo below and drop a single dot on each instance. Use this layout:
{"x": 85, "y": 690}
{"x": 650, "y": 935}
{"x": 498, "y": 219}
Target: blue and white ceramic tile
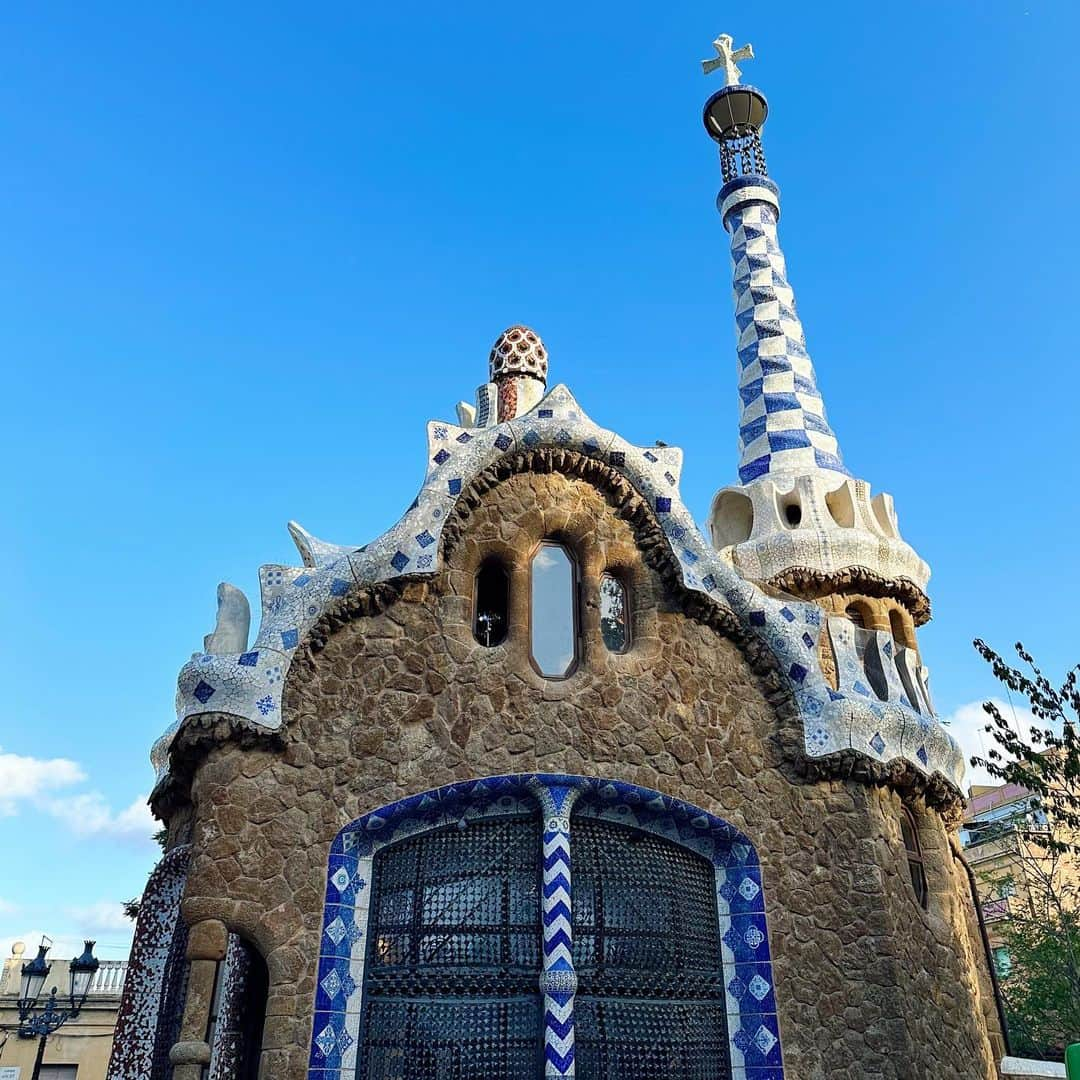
{"x": 295, "y": 598}
{"x": 741, "y": 907}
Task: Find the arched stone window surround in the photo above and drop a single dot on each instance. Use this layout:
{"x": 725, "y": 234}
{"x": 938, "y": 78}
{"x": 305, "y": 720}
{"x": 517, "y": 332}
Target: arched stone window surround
{"x": 574, "y": 527}
{"x": 751, "y": 1004}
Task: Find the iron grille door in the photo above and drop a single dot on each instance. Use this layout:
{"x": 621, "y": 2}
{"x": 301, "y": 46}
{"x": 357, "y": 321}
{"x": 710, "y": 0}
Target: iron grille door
{"x": 454, "y": 956}
{"x": 650, "y": 998}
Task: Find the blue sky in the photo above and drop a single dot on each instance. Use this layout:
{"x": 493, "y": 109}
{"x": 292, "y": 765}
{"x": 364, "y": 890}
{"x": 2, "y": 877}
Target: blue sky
{"x": 246, "y": 251}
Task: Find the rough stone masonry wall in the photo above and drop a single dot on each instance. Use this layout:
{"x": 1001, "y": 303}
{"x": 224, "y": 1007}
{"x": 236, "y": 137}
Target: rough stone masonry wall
{"x": 404, "y": 700}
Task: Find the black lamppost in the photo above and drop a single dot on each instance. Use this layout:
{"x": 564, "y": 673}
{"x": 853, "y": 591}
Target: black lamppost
{"x": 41, "y": 1024}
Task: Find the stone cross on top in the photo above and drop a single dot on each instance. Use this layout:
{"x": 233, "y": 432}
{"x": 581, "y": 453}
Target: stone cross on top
{"x": 726, "y": 55}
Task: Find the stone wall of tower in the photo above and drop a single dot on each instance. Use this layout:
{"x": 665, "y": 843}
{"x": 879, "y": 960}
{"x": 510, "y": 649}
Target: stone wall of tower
{"x": 403, "y": 700}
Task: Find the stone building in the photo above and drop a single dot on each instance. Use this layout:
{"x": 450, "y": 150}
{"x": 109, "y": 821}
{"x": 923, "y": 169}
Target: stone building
{"x": 373, "y": 808}
{"x": 1018, "y": 877}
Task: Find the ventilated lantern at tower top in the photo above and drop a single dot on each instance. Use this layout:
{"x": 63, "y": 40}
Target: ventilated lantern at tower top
{"x": 518, "y": 352}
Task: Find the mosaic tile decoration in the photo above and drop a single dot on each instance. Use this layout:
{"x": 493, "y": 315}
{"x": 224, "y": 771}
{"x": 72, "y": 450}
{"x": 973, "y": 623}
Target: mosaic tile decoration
{"x": 751, "y": 1000}
{"x": 149, "y": 1003}
{"x": 782, "y": 425}
{"x": 869, "y": 539}
{"x": 788, "y": 452}
{"x": 249, "y": 685}
{"x": 226, "y": 1051}
{"x": 557, "y": 982}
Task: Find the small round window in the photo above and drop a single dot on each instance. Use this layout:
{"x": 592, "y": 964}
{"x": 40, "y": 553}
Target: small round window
{"x": 614, "y": 614}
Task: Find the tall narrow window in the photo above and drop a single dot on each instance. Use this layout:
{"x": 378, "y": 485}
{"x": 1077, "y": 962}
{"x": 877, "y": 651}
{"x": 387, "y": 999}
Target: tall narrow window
{"x": 239, "y": 1013}
{"x": 553, "y": 621}
{"x": 916, "y": 868}
{"x": 614, "y": 613}
{"x": 855, "y": 614}
{"x": 650, "y": 999}
{"x": 492, "y": 603}
{"x": 454, "y": 955}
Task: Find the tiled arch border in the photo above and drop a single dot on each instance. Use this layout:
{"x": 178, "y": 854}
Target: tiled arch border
{"x": 751, "y": 1002}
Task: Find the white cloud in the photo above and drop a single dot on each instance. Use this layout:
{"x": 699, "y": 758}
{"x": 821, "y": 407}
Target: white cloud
{"x": 37, "y": 783}
{"x": 27, "y": 778}
{"x": 105, "y": 916}
{"x": 88, "y": 814}
{"x": 967, "y": 724}
{"x": 7, "y": 907}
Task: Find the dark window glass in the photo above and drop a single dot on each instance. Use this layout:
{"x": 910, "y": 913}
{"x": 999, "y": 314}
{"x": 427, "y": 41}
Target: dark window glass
{"x": 553, "y": 618}
{"x": 867, "y": 649}
{"x": 650, "y": 998}
{"x": 454, "y": 956}
{"x": 614, "y": 613}
{"x": 854, "y": 613}
{"x": 243, "y": 1022}
{"x": 916, "y": 868}
{"x": 492, "y": 603}
{"x": 905, "y": 678}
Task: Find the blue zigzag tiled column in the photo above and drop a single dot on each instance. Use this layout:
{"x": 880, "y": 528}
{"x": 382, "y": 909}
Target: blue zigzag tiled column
{"x": 782, "y": 426}
{"x": 558, "y": 980}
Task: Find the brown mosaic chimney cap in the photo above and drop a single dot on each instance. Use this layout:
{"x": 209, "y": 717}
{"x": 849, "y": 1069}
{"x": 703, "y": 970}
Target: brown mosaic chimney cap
{"x": 519, "y": 351}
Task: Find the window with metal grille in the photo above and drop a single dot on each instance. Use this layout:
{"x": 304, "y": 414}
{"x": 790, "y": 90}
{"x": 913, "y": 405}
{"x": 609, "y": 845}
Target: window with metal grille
{"x": 910, "y": 833}
{"x": 650, "y": 998}
{"x": 453, "y": 958}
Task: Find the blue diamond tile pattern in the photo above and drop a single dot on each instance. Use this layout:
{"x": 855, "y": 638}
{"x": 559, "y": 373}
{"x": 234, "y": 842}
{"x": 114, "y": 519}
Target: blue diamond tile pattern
{"x": 249, "y": 684}
{"x": 753, "y": 1031}
{"x": 204, "y": 692}
{"x": 782, "y": 424}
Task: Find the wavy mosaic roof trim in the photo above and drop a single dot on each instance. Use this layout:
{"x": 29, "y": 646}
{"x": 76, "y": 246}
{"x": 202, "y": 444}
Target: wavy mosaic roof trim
{"x": 249, "y": 685}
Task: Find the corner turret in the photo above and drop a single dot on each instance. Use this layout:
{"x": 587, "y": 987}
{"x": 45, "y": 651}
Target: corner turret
{"x": 798, "y": 520}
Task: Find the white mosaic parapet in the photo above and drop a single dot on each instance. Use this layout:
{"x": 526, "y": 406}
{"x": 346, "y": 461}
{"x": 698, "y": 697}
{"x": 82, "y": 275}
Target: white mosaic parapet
{"x": 248, "y": 686}
{"x": 818, "y": 520}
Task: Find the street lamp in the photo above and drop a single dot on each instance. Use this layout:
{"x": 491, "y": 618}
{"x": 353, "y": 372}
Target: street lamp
{"x": 34, "y": 973}
{"x": 41, "y": 1024}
